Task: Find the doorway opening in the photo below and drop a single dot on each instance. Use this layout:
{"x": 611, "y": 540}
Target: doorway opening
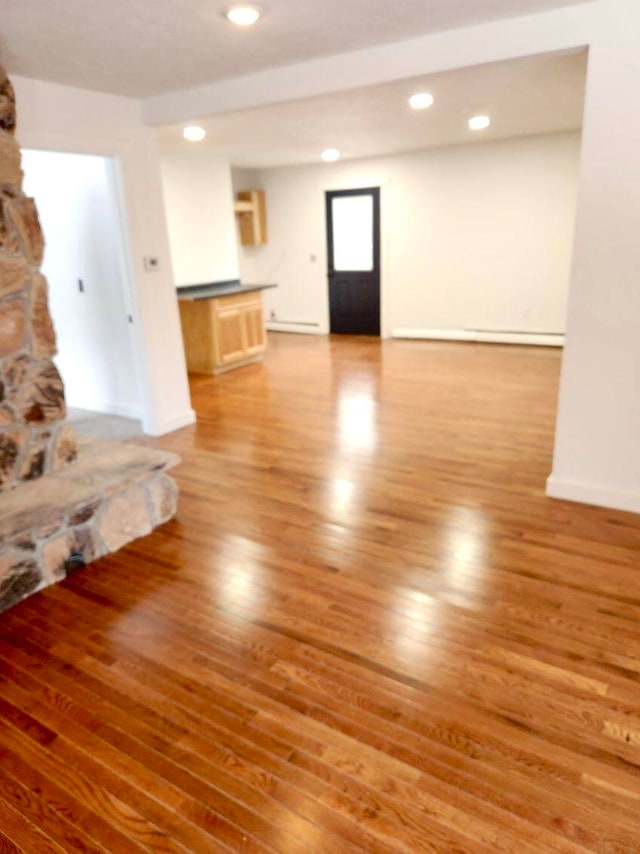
{"x": 353, "y": 244}
{"x": 85, "y": 264}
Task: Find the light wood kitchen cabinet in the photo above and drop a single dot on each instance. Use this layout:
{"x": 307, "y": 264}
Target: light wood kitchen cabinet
{"x": 222, "y": 332}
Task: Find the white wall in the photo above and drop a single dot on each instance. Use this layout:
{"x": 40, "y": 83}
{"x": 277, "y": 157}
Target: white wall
{"x": 76, "y": 205}
{"x": 597, "y": 452}
{"x": 59, "y": 118}
{"x": 249, "y": 257}
{"x": 200, "y": 217}
{"x": 473, "y": 237}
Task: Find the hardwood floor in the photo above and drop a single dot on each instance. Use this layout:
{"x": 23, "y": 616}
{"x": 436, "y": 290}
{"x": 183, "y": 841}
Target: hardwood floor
{"x": 368, "y": 629}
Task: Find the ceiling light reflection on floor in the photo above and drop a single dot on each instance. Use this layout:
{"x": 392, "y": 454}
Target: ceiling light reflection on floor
{"x": 416, "y": 616}
{"x": 239, "y": 583}
{"x": 357, "y": 423}
{"x": 342, "y": 492}
{"x": 416, "y": 607}
{"x": 239, "y": 576}
{"x": 465, "y": 549}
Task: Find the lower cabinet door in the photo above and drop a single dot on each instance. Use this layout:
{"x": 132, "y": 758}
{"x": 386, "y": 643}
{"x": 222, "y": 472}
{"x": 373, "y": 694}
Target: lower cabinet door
{"x": 230, "y": 336}
{"x": 256, "y": 337}
{"x": 239, "y": 331}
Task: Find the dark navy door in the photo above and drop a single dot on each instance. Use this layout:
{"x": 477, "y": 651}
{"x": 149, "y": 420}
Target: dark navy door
{"x": 353, "y": 238}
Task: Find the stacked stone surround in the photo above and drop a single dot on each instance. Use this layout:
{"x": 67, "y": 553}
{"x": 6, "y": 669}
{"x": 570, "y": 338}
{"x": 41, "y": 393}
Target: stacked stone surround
{"x": 58, "y": 508}
{"x": 33, "y": 438}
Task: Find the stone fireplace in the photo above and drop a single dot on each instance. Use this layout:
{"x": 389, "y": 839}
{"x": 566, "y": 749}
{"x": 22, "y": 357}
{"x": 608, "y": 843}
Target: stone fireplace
{"x": 64, "y": 500}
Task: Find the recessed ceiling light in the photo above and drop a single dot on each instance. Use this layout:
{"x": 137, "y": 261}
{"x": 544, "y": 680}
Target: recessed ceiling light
{"x": 243, "y": 15}
{"x": 421, "y": 100}
{"x": 193, "y": 133}
{"x": 479, "y": 122}
{"x": 330, "y": 155}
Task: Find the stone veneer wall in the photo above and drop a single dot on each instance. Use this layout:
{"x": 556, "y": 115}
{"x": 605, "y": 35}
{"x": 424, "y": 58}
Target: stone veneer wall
{"x": 33, "y": 440}
{"x": 58, "y": 509}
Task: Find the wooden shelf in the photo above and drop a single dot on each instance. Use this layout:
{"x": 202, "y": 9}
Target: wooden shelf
{"x": 251, "y": 211}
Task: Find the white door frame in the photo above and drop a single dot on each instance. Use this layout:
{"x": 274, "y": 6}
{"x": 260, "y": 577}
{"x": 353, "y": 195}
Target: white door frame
{"x": 63, "y": 145}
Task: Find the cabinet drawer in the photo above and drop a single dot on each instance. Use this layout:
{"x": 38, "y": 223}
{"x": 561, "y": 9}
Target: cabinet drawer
{"x": 237, "y": 301}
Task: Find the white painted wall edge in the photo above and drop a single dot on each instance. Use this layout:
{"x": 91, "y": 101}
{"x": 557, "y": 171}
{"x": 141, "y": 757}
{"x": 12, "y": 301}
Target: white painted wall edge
{"x": 305, "y": 328}
{"x": 539, "y": 339}
{"x": 154, "y": 424}
{"x": 168, "y": 425}
{"x": 585, "y": 493}
{"x": 526, "y": 35}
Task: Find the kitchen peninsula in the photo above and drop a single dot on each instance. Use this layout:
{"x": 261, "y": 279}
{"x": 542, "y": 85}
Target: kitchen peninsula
{"x": 222, "y": 325}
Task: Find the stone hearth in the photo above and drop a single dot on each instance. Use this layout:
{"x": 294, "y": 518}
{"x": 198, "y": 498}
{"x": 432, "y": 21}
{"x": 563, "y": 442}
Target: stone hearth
{"x": 112, "y": 494}
{"x": 59, "y": 496}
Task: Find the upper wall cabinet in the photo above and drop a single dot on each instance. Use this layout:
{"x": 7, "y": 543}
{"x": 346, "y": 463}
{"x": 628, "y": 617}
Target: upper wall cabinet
{"x": 251, "y": 213}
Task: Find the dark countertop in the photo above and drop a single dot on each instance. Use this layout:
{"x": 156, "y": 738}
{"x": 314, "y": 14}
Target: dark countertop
{"x": 218, "y": 289}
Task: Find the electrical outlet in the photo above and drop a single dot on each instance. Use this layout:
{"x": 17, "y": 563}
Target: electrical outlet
{"x": 272, "y": 315}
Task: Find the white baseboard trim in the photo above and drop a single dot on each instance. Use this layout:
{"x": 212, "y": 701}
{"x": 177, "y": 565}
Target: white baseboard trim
{"x": 287, "y": 326}
{"x": 538, "y": 338}
{"x": 585, "y": 493}
{"x": 184, "y": 419}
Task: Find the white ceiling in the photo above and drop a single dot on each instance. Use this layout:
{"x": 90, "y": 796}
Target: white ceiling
{"x": 535, "y": 95}
{"x": 141, "y": 48}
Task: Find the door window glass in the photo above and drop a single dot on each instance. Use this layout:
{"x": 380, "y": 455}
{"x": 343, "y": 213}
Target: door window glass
{"x": 352, "y": 220}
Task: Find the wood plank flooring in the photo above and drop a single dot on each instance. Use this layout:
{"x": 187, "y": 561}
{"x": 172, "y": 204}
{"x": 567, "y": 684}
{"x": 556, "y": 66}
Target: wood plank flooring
{"x": 367, "y": 630}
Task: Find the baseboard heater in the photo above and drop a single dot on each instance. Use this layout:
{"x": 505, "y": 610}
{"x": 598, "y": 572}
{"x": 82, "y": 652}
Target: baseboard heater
{"x": 292, "y": 322}
{"x": 489, "y": 336}
{"x": 302, "y": 327}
